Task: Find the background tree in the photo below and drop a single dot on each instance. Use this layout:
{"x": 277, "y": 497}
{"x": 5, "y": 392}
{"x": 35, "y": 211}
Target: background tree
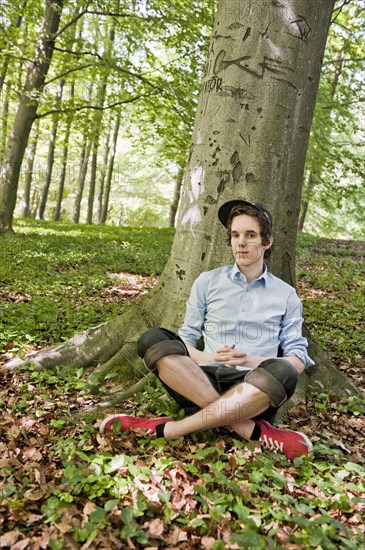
{"x": 156, "y": 51}
{"x": 334, "y": 173}
{"x": 257, "y": 100}
{"x": 152, "y": 73}
{"x": 26, "y": 114}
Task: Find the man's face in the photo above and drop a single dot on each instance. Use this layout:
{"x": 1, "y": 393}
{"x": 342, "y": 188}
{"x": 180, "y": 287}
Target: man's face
{"x": 246, "y": 241}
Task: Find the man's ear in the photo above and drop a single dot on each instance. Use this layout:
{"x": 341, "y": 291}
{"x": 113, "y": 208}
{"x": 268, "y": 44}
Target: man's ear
{"x": 267, "y": 246}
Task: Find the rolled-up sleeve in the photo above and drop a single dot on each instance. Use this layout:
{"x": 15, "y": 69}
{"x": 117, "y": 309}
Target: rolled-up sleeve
{"x": 191, "y": 331}
{"x": 291, "y": 339}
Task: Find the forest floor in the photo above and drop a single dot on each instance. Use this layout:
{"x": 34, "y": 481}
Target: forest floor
{"x": 64, "y": 486}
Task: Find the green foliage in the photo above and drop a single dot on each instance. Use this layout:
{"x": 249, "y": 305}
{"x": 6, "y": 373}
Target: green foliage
{"x": 328, "y": 271}
{"x": 134, "y": 489}
{"x": 334, "y": 183}
{"x": 150, "y": 72}
{"x": 207, "y": 487}
{"x": 61, "y": 273}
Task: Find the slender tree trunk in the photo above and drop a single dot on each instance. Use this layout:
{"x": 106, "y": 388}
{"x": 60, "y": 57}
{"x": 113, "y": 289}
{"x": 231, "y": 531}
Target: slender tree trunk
{"x": 99, "y": 202}
{"x": 92, "y": 184}
{"x": 109, "y": 176}
{"x": 3, "y": 72}
{"x": 61, "y": 187}
{"x": 26, "y": 114}
{"x": 94, "y": 156}
{"x": 28, "y": 172}
{"x": 5, "y": 66}
{"x": 303, "y": 214}
{"x": 50, "y": 157}
{"x": 4, "y": 121}
{"x": 316, "y": 168}
{"x": 176, "y": 199}
{"x": 250, "y": 138}
{"x": 84, "y": 162}
{"x": 96, "y": 132}
{"x": 306, "y": 196}
{"x": 34, "y": 204}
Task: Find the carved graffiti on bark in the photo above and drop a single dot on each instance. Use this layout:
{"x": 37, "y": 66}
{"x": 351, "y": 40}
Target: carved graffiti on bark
{"x": 267, "y": 65}
{"x": 180, "y": 273}
{"x": 221, "y": 64}
{"x": 214, "y": 84}
{"x": 247, "y": 34}
{"x": 237, "y": 93}
{"x": 224, "y": 179}
{"x": 237, "y": 167}
{"x": 246, "y": 140}
{"x": 216, "y": 155}
{"x": 303, "y": 27}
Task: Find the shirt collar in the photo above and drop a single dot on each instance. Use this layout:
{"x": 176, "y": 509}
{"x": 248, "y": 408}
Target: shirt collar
{"x": 235, "y": 274}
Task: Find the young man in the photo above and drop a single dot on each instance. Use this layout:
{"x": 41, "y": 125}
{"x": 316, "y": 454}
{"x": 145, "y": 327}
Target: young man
{"x": 247, "y": 317}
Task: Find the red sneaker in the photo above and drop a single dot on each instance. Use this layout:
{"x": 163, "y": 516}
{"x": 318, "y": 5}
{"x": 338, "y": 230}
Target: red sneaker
{"x": 291, "y": 444}
{"x": 132, "y": 423}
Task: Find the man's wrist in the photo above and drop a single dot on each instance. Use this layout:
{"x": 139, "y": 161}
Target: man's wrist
{"x": 296, "y": 362}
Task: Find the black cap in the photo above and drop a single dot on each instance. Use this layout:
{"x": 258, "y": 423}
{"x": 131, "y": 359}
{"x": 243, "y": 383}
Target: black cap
{"x": 225, "y": 210}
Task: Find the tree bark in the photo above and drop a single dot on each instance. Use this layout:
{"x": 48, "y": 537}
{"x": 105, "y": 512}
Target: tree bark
{"x": 26, "y": 114}
{"x": 249, "y": 141}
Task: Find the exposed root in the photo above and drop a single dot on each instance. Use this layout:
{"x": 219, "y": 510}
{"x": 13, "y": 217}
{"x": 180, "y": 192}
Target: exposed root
{"x": 123, "y": 364}
{"x": 119, "y": 395}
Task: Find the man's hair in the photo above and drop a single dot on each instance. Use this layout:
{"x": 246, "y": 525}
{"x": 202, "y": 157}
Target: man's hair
{"x": 262, "y": 218}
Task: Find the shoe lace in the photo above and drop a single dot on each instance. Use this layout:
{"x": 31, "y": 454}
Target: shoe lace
{"x": 272, "y": 444}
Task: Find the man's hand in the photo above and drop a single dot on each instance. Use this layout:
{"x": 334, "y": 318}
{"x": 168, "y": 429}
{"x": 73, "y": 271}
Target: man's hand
{"x": 231, "y": 358}
{"x": 228, "y": 356}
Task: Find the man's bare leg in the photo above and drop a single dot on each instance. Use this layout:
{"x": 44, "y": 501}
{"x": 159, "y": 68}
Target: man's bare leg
{"x": 234, "y": 409}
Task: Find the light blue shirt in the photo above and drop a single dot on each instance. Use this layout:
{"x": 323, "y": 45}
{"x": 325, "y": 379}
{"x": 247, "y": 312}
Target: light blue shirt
{"x": 257, "y": 317}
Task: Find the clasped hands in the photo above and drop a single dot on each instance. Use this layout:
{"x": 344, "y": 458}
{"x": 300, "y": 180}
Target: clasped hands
{"x": 230, "y": 357}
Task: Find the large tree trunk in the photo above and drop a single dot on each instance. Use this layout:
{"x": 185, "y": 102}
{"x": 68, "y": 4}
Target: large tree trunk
{"x": 26, "y": 114}
{"x": 250, "y": 138}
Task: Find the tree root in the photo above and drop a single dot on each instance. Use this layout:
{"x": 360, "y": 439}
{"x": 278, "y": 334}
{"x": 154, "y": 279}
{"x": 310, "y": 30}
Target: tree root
{"x": 120, "y": 395}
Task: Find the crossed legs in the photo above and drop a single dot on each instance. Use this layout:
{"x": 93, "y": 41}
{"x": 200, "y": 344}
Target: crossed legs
{"x": 252, "y": 397}
{"x": 248, "y": 396}
{"x": 233, "y": 409}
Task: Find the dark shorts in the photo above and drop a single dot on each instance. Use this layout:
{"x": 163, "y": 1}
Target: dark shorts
{"x": 221, "y": 377}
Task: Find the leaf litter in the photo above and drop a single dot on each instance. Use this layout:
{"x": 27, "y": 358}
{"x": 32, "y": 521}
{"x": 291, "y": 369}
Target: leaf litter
{"x": 63, "y": 485}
